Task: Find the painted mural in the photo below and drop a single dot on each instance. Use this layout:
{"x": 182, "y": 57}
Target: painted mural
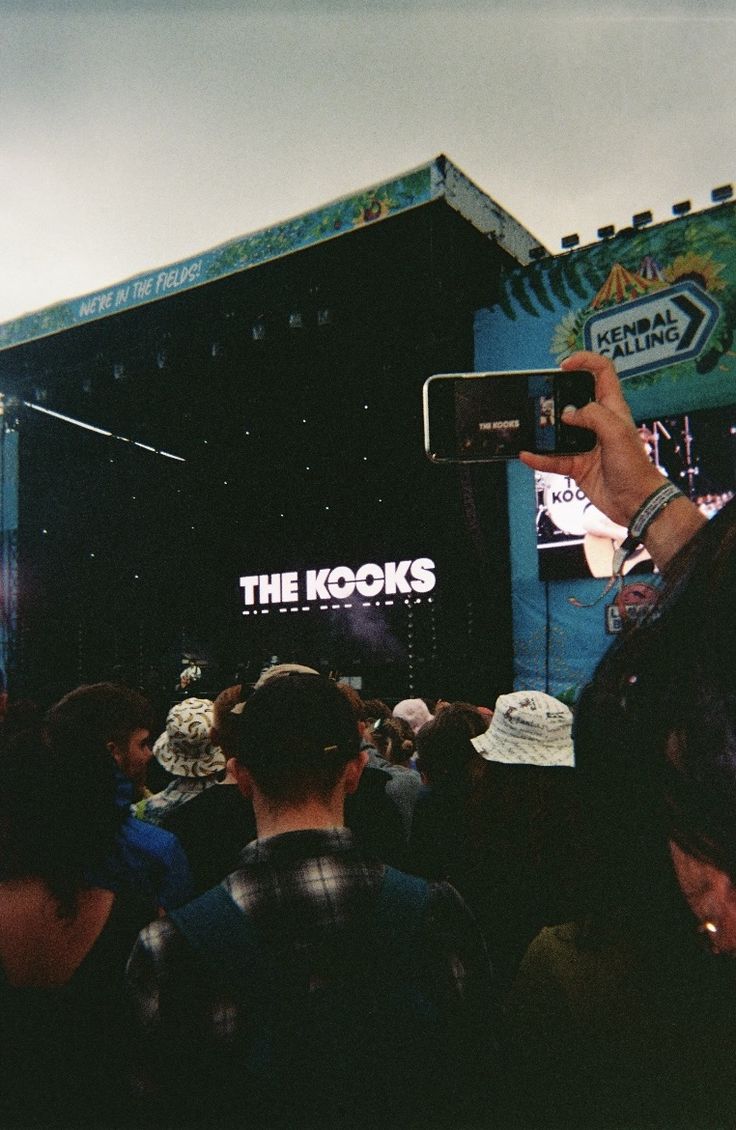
{"x": 661, "y": 302}
{"x": 347, "y": 214}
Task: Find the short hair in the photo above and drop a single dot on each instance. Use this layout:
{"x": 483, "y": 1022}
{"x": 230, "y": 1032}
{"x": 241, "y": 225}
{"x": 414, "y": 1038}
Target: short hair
{"x": 94, "y": 714}
{"x": 374, "y": 708}
{"x": 224, "y": 721}
{"x": 397, "y": 734}
{"x": 353, "y": 698}
{"x": 296, "y": 734}
{"x": 58, "y": 819}
{"x": 444, "y": 749}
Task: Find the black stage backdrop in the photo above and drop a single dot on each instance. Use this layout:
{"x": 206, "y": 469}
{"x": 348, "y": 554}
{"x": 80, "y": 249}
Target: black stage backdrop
{"x": 293, "y": 392}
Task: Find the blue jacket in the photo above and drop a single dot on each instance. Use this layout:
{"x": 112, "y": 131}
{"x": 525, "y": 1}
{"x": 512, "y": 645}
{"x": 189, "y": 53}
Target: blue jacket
{"x": 145, "y": 859}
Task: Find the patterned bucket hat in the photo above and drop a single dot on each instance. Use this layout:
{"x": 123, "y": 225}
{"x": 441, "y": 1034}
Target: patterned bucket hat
{"x": 528, "y": 728}
{"x": 184, "y": 748}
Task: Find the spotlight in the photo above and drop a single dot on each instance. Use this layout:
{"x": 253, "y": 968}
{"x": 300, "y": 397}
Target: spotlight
{"x": 641, "y": 219}
{"x": 295, "y": 320}
{"x": 723, "y": 192}
{"x": 606, "y": 232}
{"x": 569, "y": 241}
{"x": 682, "y": 208}
{"x": 258, "y": 330}
{"x": 537, "y": 253}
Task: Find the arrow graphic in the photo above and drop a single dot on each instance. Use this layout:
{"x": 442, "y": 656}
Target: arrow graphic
{"x": 622, "y": 332}
{"x": 696, "y": 316}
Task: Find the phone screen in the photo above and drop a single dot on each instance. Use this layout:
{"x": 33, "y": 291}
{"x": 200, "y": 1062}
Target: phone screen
{"x": 484, "y": 417}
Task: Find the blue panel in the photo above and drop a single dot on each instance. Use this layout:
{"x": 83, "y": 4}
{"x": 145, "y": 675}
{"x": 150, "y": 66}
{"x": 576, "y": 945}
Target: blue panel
{"x": 662, "y": 303}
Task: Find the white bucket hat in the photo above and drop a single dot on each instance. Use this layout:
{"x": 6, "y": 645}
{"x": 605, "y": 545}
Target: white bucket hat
{"x": 528, "y": 728}
{"x": 184, "y": 748}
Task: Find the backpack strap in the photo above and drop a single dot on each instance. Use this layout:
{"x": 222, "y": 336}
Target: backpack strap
{"x": 225, "y": 937}
{"x": 399, "y": 913}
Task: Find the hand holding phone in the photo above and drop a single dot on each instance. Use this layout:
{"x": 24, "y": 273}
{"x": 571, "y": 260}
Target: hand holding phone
{"x": 616, "y": 474}
{"x": 488, "y": 417}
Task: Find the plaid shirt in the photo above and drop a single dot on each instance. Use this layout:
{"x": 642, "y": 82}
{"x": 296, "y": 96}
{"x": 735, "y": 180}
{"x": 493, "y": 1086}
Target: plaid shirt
{"x": 298, "y": 889}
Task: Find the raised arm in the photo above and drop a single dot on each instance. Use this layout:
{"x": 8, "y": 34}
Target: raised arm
{"x": 617, "y": 476}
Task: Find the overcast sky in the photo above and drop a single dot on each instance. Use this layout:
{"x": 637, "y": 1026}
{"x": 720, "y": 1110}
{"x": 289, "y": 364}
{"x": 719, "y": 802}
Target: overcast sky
{"x": 138, "y": 133}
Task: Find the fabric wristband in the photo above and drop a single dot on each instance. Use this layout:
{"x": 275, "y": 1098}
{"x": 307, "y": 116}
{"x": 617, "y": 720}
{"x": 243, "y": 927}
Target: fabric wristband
{"x": 650, "y": 509}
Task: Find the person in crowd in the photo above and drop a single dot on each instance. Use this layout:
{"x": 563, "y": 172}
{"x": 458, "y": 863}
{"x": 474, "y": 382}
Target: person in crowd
{"x": 111, "y": 724}
{"x": 379, "y": 811}
{"x": 496, "y": 817}
{"x": 290, "y": 1018}
{"x": 399, "y": 785}
{"x": 626, "y": 1017}
{"x": 525, "y": 826}
{"x": 184, "y": 750}
{"x": 216, "y": 825}
{"x": 373, "y": 709}
{"x": 393, "y": 739}
{"x": 64, "y": 941}
{"x": 440, "y": 844}
{"x": 375, "y": 818}
{"x": 21, "y": 714}
{"x": 414, "y": 711}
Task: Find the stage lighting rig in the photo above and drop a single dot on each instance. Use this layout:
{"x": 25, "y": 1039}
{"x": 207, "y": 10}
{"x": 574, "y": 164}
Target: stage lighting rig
{"x": 93, "y": 428}
{"x": 722, "y": 193}
{"x": 641, "y": 219}
{"x": 682, "y": 208}
{"x": 606, "y": 231}
{"x": 569, "y": 241}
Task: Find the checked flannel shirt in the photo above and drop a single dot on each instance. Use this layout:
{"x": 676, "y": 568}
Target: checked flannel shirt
{"x": 298, "y": 888}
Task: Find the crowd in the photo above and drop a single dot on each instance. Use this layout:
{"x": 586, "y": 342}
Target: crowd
{"x": 298, "y": 908}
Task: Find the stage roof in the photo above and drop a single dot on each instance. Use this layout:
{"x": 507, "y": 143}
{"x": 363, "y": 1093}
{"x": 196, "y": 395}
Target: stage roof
{"x": 437, "y": 180}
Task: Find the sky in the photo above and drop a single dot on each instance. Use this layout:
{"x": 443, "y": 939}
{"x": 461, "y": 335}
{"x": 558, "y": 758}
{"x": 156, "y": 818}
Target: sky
{"x": 134, "y": 133}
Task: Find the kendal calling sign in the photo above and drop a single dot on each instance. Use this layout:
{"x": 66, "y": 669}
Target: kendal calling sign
{"x": 393, "y": 578}
{"x": 660, "y": 329}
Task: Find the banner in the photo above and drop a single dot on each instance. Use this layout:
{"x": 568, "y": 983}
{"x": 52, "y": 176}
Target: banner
{"x": 661, "y": 303}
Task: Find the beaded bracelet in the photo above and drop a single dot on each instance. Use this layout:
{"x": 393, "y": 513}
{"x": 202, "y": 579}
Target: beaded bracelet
{"x": 650, "y": 509}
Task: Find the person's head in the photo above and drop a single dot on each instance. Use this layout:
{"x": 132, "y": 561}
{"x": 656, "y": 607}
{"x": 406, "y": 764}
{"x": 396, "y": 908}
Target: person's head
{"x": 373, "y": 709}
{"x": 445, "y": 754}
{"x": 528, "y": 728}
{"x": 360, "y": 714}
{"x": 58, "y": 816}
{"x": 103, "y": 716}
{"x": 394, "y": 740}
{"x": 297, "y": 736}
{"x": 352, "y": 697}
{"x": 414, "y": 711}
{"x": 656, "y": 739}
{"x": 185, "y": 748}
{"x": 224, "y": 728}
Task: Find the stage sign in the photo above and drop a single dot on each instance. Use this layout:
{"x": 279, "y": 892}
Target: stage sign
{"x": 668, "y": 326}
{"x": 322, "y": 587}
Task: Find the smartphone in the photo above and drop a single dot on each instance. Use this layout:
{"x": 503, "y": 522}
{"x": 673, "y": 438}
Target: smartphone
{"x": 486, "y": 417}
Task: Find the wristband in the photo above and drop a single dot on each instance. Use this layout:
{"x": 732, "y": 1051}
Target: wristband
{"x": 649, "y": 510}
